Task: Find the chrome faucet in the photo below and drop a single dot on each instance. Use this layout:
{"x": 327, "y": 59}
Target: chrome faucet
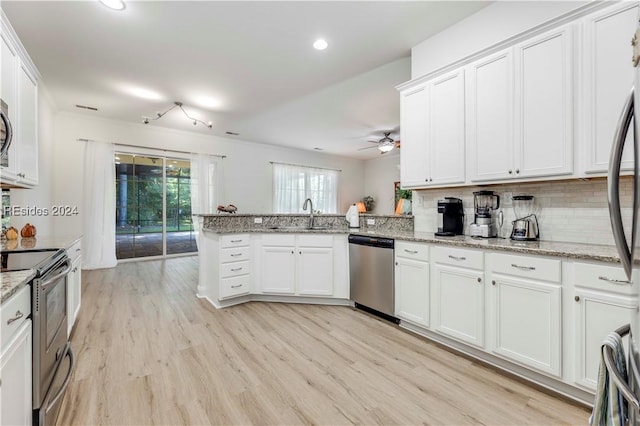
{"x": 309, "y": 203}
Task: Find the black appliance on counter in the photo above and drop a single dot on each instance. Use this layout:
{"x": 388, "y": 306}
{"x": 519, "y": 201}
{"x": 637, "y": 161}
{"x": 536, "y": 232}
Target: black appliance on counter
{"x": 53, "y": 359}
{"x": 450, "y": 217}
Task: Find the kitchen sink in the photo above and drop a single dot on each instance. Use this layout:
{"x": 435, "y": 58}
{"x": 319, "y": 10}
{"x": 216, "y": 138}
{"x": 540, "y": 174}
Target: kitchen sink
{"x": 301, "y": 228}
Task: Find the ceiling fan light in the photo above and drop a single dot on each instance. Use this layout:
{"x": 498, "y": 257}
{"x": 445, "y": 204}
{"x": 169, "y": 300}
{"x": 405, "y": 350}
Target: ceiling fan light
{"x": 386, "y": 146}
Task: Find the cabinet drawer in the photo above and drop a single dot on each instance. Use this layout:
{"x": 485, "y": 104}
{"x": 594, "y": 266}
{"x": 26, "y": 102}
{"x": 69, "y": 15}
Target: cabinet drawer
{"x": 527, "y": 267}
{"x": 412, "y": 250}
{"x": 234, "y": 254}
{"x": 236, "y": 286}
{"x": 604, "y": 278}
{"x": 75, "y": 250}
{"x": 14, "y": 312}
{"x": 279, "y": 240}
{"x": 235, "y": 240}
{"x": 309, "y": 240}
{"x": 234, "y": 269}
{"x": 458, "y": 257}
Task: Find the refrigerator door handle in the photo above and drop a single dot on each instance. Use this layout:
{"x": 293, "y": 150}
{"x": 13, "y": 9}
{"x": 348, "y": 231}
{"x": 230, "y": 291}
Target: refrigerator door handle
{"x": 625, "y": 250}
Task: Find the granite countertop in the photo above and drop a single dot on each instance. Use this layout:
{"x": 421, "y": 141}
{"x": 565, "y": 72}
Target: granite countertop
{"x": 596, "y": 252}
{"x": 13, "y": 281}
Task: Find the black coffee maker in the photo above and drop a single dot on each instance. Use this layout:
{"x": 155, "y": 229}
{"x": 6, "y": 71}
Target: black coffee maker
{"x": 450, "y": 217}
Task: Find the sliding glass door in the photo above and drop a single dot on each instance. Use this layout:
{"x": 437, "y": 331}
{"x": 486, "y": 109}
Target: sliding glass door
{"x": 153, "y": 206}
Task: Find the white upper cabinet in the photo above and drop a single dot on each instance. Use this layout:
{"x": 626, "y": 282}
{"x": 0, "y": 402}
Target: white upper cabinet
{"x": 432, "y": 132}
{"x": 19, "y": 90}
{"x": 446, "y": 129}
{"x": 608, "y": 78}
{"x": 414, "y": 170}
{"x": 544, "y": 105}
{"x": 490, "y": 117}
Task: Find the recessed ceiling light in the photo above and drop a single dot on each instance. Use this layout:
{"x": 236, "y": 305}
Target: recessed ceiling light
{"x": 145, "y": 93}
{"x": 207, "y": 102}
{"x": 320, "y": 44}
{"x": 113, "y": 4}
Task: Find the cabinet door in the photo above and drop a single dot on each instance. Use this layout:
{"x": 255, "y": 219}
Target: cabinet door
{"x": 15, "y": 370}
{"x": 27, "y": 134}
{"x": 9, "y": 94}
{"x": 315, "y": 271}
{"x": 458, "y": 303}
{"x": 544, "y": 120}
{"x": 277, "y": 270}
{"x": 597, "y": 314}
{"x": 527, "y": 326}
{"x": 490, "y": 117}
{"x": 446, "y": 129}
{"x": 74, "y": 292}
{"x": 414, "y": 167}
{"x": 608, "y": 78}
{"x": 412, "y": 290}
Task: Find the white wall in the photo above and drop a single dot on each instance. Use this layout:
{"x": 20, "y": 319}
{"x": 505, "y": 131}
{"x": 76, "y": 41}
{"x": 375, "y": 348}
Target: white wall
{"x": 494, "y": 23}
{"x": 40, "y": 196}
{"x": 247, "y": 171}
{"x": 379, "y": 176}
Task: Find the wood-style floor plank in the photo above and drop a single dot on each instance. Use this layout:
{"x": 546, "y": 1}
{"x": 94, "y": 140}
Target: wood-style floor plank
{"x": 150, "y": 352}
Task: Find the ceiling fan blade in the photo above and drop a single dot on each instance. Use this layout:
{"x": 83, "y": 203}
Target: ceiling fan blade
{"x": 368, "y": 147}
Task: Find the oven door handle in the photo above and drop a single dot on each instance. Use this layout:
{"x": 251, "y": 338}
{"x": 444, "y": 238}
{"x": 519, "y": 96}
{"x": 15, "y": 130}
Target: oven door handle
{"x": 51, "y": 280}
{"x": 63, "y": 388}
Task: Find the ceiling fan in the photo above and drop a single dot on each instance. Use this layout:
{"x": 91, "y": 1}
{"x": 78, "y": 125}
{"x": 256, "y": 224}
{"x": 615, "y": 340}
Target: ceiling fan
{"x": 385, "y": 144}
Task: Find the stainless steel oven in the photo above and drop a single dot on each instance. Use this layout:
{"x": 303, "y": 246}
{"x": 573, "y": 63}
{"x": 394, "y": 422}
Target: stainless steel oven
{"x": 53, "y": 360}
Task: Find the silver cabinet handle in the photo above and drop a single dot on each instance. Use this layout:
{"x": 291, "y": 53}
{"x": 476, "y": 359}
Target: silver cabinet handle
{"x": 77, "y": 250}
{"x": 457, "y": 258}
{"x": 236, "y": 269}
{"x": 526, "y": 268}
{"x": 611, "y": 280}
{"x": 15, "y": 318}
{"x": 236, "y": 286}
{"x": 625, "y": 251}
{"x": 411, "y": 251}
{"x": 235, "y": 254}
{"x": 236, "y": 241}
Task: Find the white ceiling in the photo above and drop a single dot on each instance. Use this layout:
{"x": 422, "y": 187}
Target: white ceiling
{"x": 255, "y": 57}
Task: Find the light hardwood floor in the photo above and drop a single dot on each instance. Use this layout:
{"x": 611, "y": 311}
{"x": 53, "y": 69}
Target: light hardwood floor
{"x": 150, "y": 352}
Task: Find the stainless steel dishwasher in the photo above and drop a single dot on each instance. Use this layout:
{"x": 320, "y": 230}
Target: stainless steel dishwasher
{"x": 371, "y": 271}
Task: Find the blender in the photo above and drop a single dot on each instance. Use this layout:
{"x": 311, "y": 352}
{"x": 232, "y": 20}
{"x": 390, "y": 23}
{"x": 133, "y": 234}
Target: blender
{"x": 525, "y": 227}
{"x": 485, "y": 203}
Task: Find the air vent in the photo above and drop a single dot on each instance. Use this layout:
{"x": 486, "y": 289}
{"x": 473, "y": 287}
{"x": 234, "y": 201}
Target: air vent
{"x": 232, "y": 133}
{"x": 86, "y": 107}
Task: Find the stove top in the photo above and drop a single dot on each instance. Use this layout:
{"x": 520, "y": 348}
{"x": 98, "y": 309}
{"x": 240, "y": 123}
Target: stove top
{"x": 40, "y": 260}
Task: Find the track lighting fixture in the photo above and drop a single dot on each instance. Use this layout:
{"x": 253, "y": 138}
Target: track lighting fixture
{"x": 146, "y": 120}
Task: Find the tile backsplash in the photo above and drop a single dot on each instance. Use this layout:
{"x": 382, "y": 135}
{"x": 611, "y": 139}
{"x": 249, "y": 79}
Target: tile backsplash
{"x": 567, "y": 210}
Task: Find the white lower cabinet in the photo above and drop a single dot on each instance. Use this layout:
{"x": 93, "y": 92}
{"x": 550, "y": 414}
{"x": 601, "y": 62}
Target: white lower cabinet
{"x": 457, "y": 294}
{"x": 526, "y": 311}
{"x": 15, "y": 360}
{"x": 412, "y": 282}
{"x": 604, "y": 301}
{"x": 74, "y": 285}
{"x": 293, "y": 264}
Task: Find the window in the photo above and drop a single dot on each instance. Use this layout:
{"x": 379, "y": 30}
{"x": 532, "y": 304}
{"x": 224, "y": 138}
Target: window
{"x": 294, "y": 184}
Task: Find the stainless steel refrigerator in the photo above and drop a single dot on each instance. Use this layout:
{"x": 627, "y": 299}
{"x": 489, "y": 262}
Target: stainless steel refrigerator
{"x": 628, "y": 386}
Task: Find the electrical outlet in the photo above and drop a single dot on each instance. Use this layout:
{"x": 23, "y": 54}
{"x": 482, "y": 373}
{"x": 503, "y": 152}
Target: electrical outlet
{"x": 257, "y": 220}
{"x": 371, "y": 221}
{"x": 507, "y": 199}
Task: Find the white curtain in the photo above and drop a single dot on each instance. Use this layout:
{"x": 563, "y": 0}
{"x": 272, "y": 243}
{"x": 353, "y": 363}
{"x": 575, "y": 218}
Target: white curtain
{"x": 293, "y": 184}
{"x": 204, "y": 181}
{"x": 99, "y": 212}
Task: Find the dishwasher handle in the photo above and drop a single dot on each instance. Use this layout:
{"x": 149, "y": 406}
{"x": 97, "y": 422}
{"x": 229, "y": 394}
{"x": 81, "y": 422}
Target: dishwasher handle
{"x": 379, "y": 242}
